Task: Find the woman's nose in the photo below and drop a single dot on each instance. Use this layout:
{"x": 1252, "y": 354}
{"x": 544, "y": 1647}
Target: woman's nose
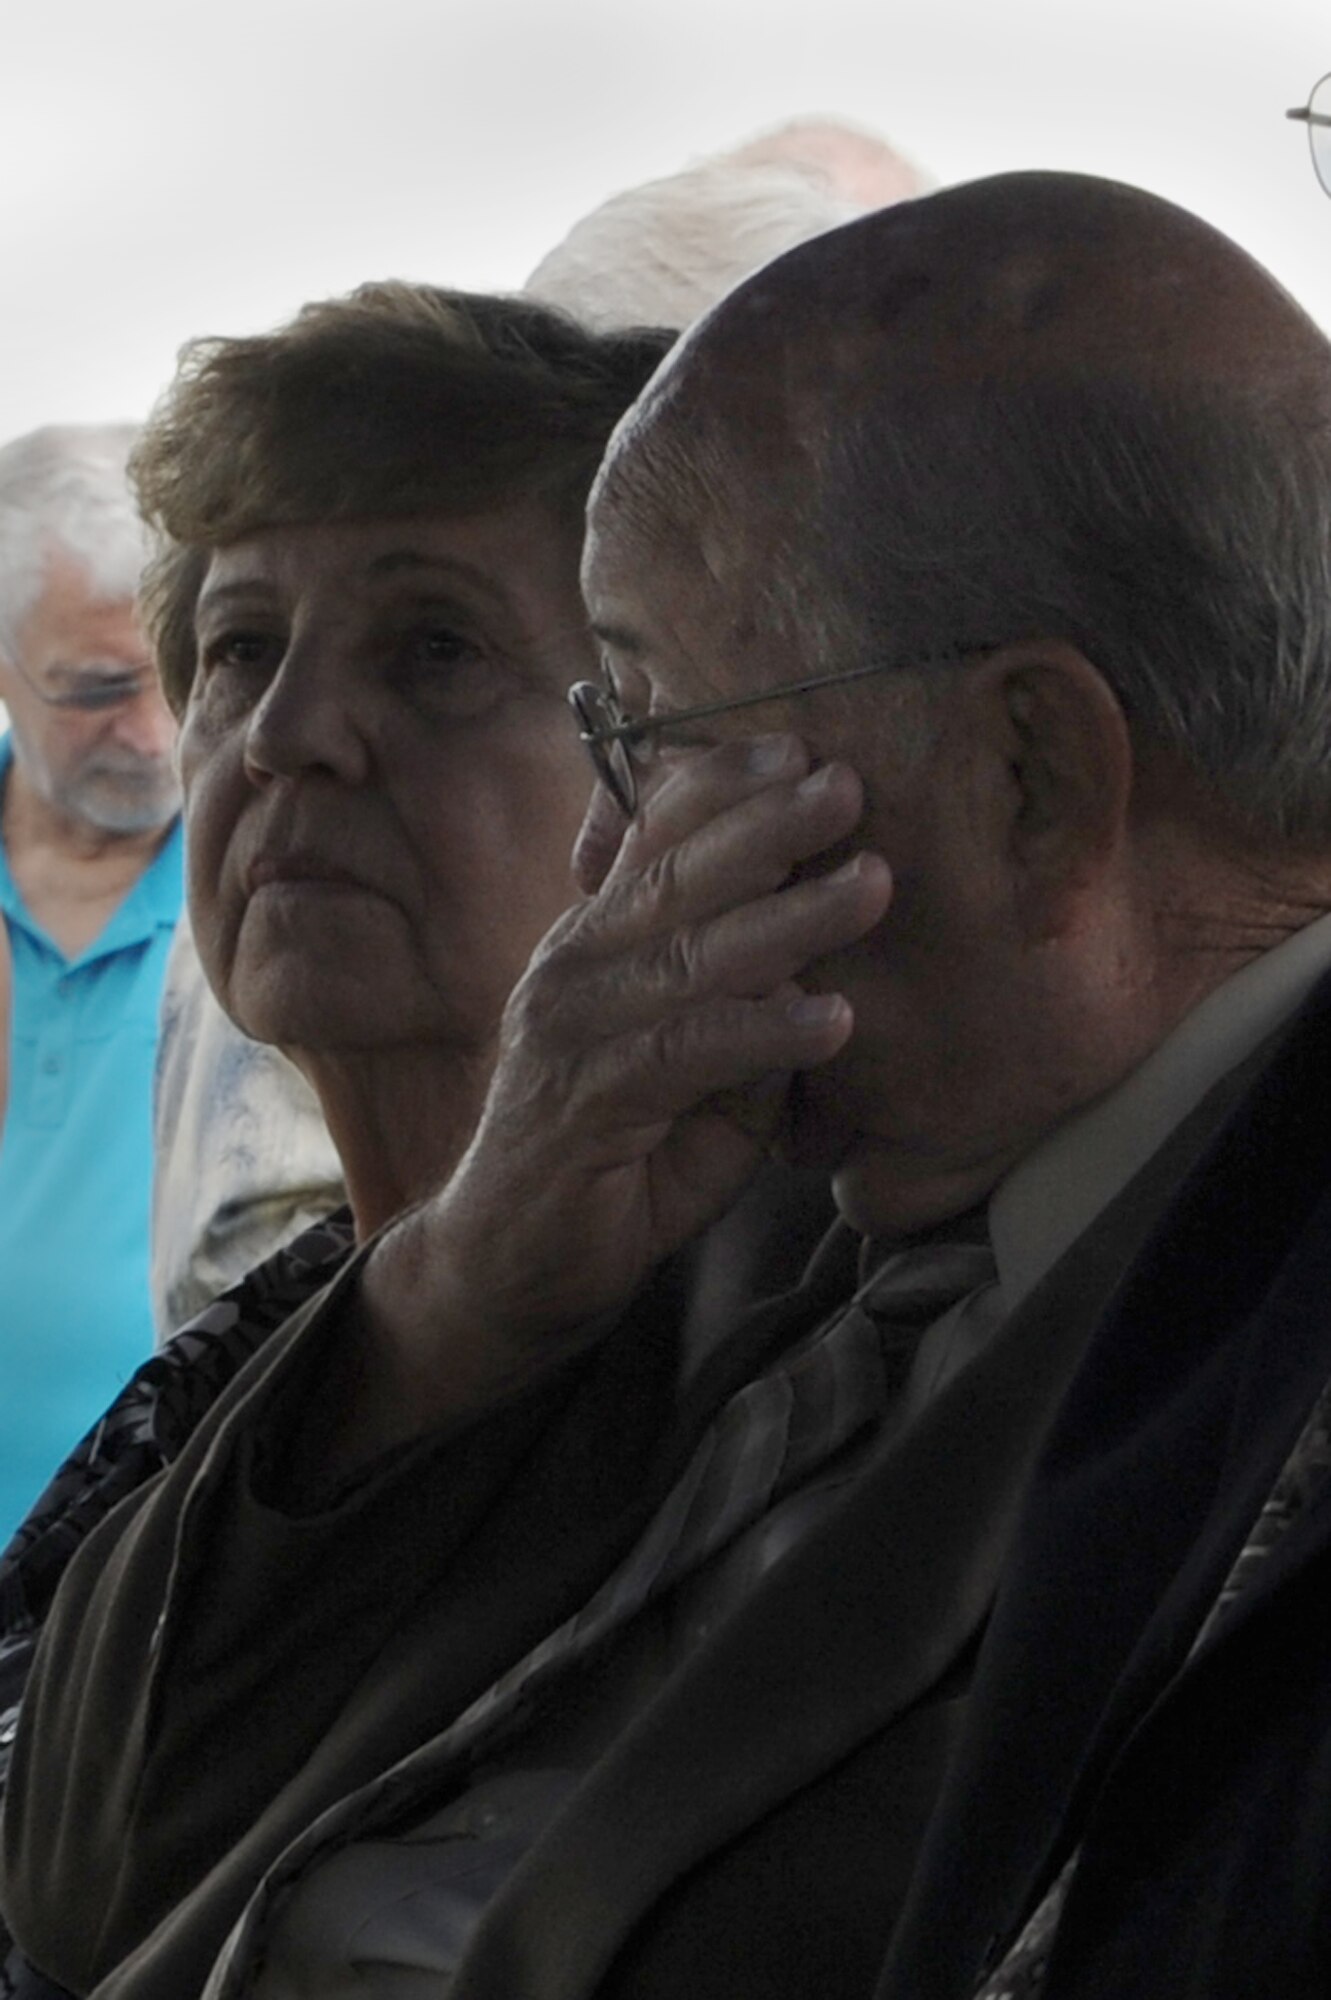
{"x": 310, "y": 717}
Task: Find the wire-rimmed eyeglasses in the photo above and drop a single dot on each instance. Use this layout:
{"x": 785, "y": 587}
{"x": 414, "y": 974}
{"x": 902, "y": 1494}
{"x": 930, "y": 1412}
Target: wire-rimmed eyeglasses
{"x": 1316, "y": 115}
{"x": 90, "y": 689}
{"x": 609, "y": 732}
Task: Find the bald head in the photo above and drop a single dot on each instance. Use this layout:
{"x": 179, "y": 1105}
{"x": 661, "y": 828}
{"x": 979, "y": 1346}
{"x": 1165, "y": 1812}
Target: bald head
{"x": 1036, "y": 406}
{"x": 858, "y": 165}
{"x": 1028, "y": 273}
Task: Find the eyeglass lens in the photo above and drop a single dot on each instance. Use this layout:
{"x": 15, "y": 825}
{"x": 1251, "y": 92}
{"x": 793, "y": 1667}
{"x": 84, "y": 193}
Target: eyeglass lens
{"x": 90, "y": 697}
{"x": 597, "y": 710}
{"x": 1319, "y": 131}
{"x": 86, "y": 690}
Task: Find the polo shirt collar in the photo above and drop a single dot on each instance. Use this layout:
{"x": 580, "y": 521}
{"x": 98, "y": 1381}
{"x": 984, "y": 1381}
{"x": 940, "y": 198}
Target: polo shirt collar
{"x": 153, "y": 904}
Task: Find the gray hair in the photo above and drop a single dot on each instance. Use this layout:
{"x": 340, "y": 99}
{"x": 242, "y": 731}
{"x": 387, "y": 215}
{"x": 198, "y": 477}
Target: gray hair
{"x": 64, "y": 490}
{"x": 1183, "y": 545}
{"x": 662, "y": 253}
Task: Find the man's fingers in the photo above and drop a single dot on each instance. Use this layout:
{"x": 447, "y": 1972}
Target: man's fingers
{"x": 752, "y": 950}
{"x": 600, "y": 837}
{"x": 634, "y": 1087}
{"x": 695, "y": 785}
{"x": 743, "y": 853}
{"x": 573, "y": 1000}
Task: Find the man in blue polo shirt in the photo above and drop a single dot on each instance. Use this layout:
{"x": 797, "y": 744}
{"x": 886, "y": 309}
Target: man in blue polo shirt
{"x": 90, "y": 890}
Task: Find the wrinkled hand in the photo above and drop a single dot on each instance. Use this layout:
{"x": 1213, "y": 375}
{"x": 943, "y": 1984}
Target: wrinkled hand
{"x": 643, "y": 1066}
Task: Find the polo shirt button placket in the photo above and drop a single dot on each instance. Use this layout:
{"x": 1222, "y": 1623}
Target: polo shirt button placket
{"x": 55, "y": 1061}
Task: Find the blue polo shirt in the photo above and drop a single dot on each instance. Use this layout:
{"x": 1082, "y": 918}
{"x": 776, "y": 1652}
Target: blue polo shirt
{"x": 75, "y": 1171}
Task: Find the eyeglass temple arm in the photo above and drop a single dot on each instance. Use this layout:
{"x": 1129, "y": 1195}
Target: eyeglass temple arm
{"x": 1307, "y": 116}
{"x": 624, "y": 732}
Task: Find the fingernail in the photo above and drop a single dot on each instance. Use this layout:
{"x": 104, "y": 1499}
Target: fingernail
{"x": 849, "y": 871}
{"x": 815, "y": 1010}
{"x": 769, "y": 755}
{"x": 816, "y": 783}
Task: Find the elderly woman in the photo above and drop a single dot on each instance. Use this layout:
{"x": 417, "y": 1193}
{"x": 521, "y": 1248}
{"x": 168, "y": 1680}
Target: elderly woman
{"x": 366, "y": 608}
{"x": 367, "y": 611}
{"x": 371, "y": 523}
{"x": 371, "y": 622}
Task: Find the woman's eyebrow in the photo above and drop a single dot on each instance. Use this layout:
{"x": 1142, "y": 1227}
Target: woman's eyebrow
{"x": 229, "y": 593}
{"x": 392, "y": 562}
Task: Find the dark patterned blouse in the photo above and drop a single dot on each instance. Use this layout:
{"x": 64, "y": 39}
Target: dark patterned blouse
{"x": 144, "y": 1429}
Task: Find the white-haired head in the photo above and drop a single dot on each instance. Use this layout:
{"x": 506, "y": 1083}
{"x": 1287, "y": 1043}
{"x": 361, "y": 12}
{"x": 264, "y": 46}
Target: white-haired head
{"x": 64, "y": 491}
{"x": 662, "y": 253}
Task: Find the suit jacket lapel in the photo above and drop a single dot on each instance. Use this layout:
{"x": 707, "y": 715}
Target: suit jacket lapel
{"x": 1194, "y": 1388}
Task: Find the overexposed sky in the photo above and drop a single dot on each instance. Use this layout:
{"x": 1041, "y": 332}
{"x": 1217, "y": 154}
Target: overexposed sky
{"x": 177, "y": 167}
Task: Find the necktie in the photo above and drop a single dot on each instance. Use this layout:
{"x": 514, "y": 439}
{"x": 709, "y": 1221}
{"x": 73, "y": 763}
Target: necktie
{"x": 772, "y": 1437}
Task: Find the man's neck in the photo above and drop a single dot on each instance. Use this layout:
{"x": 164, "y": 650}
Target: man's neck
{"x": 72, "y": 876}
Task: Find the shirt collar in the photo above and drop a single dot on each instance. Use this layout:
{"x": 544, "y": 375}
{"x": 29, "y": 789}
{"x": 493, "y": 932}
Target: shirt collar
{"x": 160, "y": 888}
{"x": 9, "y": 898}
{"x": 1047, "y": 1200}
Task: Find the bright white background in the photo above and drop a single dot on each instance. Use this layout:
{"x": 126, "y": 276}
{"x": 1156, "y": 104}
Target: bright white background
{"x": 174, "y": 167}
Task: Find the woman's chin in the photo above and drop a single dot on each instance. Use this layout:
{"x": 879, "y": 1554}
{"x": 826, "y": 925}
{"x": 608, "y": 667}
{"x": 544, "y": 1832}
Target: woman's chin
{"x": 330, "y": 1008}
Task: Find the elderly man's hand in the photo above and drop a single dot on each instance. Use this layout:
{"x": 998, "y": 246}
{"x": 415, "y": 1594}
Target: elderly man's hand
{"x": 644, "y": 1062}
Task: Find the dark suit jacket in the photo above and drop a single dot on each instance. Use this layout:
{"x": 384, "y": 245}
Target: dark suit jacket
{"x": 791, "y": 1770}
{"x": 1200, "y": 1789}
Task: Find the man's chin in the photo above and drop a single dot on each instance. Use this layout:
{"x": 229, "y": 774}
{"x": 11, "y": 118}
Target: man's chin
{"x": 873, "y": 1192}
{"x": 882, "y": 1193}
{"x": 882, "y": 1187}
{"x": 814, "y": 1131}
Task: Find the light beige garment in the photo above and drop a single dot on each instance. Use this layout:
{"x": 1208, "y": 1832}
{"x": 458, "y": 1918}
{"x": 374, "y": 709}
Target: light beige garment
{"x": 243, "y": 1160}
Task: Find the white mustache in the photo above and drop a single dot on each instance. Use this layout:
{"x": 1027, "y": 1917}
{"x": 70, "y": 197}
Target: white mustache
{"x": 130, "y": 766}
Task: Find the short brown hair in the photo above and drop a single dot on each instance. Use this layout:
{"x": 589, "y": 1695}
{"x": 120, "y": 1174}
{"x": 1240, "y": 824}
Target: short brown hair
{"x": 401, "y": 399}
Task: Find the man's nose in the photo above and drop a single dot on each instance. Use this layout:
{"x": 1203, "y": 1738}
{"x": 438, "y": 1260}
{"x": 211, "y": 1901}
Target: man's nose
{"x": 147, "y": 726}
{"x": 599, "y": 840}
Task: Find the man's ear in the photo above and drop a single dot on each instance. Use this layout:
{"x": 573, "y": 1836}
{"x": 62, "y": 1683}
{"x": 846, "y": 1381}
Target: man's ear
{"x": 1062, "y": 734}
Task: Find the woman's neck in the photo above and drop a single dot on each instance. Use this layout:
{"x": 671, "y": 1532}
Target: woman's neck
{"x": 400, "y": 1119}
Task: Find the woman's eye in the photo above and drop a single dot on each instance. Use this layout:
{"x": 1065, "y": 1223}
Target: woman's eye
{"x": 447, "y": 674}
{"x": 241, "y": 649}
{"x": 439, "y": 646}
